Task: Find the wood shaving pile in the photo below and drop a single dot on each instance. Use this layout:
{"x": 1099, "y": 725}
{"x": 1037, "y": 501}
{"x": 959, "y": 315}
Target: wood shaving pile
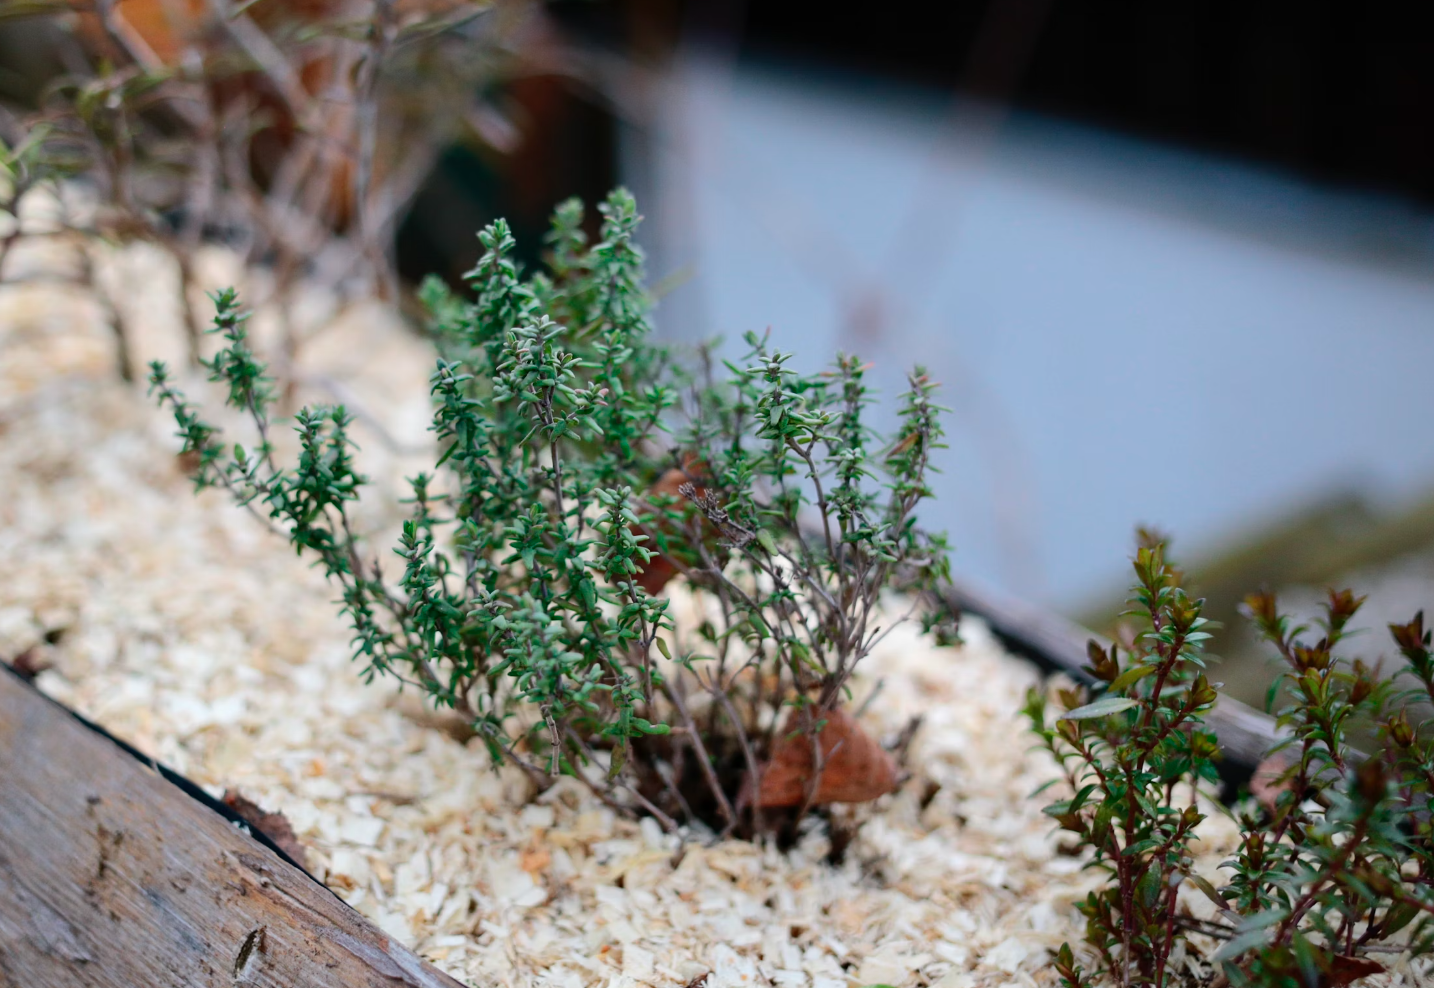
{"x": 180, "y": 624}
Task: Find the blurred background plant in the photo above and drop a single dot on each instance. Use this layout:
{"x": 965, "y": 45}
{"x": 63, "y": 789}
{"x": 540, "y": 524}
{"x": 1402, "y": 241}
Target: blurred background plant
{"x": 296, "y": 133}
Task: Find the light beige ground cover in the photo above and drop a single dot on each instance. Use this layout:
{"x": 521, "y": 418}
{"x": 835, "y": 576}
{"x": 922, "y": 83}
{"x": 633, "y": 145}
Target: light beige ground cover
{"x": 179, "y": 624}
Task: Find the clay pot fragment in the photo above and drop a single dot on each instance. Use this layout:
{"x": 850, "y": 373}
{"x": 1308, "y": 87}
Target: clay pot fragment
{"x": 1273, "y": 777}
{"x": 856, "y": 769}
{"x": 660, "y": 569}
{"x": 1345, "y": 969}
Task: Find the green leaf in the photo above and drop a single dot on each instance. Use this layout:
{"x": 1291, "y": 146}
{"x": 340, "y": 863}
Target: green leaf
{"x": 1306, "y": 957}
{"x": 768, "y": 543}
{"x": 1082, "y": 796}
{"x": 619, "y": 761}
{"x": 1236, "y": 946}
{"x": 1130, "y": 676}
{"x": 1103, "y": 707}
{"x": 1268, "y": 918}
{"x": 1398, "y": 917}
{"x": 1207, "y": 890}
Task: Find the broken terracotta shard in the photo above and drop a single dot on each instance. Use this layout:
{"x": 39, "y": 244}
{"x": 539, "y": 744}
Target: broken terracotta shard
{"x": 856, "y": 769}
{"x": 661, "y": 568}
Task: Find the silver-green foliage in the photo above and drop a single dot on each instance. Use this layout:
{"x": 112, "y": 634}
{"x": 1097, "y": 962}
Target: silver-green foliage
{"x": 521, "y": 601}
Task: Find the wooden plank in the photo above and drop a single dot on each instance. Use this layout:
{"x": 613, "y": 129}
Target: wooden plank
{"x": 110, "y": 875}
{"x": 1058, "y": 645}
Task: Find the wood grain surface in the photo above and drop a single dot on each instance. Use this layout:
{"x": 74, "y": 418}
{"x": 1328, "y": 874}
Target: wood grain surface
{"x": 111, "y": 875}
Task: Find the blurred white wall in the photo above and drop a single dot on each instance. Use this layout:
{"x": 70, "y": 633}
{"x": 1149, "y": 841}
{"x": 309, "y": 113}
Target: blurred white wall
{"x": 1126, "y": 333}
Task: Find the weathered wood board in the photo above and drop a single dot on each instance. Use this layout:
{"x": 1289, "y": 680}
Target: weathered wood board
{"x": 111, "y": 875}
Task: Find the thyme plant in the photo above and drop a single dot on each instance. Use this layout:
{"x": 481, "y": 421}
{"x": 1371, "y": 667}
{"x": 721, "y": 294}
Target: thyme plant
{"x": 1332, "y": 873}
{"x": 1339, "y": 871}
{"x": 581, "y": 465}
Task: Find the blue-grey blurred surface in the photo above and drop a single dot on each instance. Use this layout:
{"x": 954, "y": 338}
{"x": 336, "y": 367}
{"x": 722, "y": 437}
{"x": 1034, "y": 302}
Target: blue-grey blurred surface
{"x": 1127, "y": 333}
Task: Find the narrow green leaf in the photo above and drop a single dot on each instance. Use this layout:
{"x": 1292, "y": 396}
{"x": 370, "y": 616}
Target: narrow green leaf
{"x": 1236, "y": 946}
{"x": 1207, "y": 890}
{"x": 1103, "y": 707}
{"x": 1131, "y": 676}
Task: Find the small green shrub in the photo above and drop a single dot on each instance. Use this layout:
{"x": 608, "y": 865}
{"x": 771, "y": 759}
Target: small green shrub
{"x": 1128, "y": 755}
{"x": 1336, "y": 869}
{"x": 576, "y": 458}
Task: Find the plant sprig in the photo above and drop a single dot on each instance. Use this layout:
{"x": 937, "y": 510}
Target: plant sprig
{"x": 1136, "y": 758}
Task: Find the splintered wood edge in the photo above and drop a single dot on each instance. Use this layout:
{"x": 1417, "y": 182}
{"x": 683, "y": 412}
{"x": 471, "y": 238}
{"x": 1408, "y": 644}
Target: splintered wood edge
{"x": 110, "y": 875}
